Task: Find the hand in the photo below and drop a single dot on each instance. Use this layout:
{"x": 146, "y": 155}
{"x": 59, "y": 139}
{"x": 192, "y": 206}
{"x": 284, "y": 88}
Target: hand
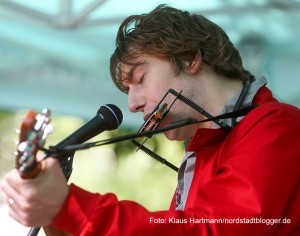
{"x": 35, "y": 202}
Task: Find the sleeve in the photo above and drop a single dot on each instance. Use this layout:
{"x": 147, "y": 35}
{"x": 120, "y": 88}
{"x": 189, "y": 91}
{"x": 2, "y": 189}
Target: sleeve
{"x": 85, "y": 213}
{"x": 256, "y": 182}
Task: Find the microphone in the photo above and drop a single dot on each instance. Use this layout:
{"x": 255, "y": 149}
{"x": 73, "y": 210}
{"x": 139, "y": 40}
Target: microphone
{"x": 108, "y": 117}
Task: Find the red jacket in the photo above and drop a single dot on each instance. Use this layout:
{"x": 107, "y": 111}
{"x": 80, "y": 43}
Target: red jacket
{"x": 249, "y": 179}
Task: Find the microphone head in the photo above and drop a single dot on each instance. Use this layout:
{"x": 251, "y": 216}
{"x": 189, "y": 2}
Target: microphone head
{"x": 112, "y": 114}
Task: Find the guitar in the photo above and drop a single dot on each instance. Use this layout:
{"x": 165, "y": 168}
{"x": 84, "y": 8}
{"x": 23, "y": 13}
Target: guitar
{"x": 34, "y": 130}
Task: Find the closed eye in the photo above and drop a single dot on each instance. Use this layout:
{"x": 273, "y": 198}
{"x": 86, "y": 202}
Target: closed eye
{"x": 142, "y": 79}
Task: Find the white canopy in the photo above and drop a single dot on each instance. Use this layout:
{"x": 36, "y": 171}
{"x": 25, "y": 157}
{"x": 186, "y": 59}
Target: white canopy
{"x": 55, "y": 54}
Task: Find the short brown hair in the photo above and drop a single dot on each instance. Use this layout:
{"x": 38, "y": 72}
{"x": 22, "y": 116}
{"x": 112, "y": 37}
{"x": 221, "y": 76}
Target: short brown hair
{"x": 177, "y": 36}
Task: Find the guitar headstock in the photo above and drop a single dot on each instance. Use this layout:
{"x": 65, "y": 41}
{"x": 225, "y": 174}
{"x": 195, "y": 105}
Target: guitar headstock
{"x": 32, "y": 136}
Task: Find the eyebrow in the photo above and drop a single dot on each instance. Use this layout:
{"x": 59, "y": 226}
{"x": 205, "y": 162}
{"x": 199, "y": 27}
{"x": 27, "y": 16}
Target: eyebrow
{"x": 129, "y": 75}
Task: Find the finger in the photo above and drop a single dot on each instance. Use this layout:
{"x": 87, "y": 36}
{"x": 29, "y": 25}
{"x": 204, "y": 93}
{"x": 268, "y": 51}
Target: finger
{"x": 13, "y": 180}
{"x": 40, "y": 156}
{"x": 5, "y": 184}
{"x": 14, "y": 206}
{"x": 49, "y": 162}
{"x": 17, "y": 189}
{"x": 12, "y": 196}
{"x": 19, "y": 216}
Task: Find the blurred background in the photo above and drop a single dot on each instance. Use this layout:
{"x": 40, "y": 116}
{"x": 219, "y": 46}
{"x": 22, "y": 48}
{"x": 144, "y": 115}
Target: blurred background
{"x": 55, "y": 54}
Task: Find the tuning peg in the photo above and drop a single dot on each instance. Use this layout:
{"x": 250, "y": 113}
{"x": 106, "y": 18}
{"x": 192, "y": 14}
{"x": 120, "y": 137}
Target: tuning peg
{"x": 16, "y": 142}
{"x": 15, "y": 153}
{"x": 18, "y": 131}
{"x": 22, "y": 147}
{"x": 46, "y": 112}
{"x": 49, "y": 129}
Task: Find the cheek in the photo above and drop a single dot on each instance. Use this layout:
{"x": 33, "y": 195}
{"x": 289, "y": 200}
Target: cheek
{"x": 160, "y": 85}
{"x": 155, "y": 93}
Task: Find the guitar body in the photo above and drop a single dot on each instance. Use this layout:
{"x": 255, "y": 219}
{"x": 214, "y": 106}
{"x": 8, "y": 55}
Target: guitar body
{"x": 32, "y": 136}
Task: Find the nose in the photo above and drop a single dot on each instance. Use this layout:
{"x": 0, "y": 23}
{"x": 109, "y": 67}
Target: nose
{"x": 136, "y": 101}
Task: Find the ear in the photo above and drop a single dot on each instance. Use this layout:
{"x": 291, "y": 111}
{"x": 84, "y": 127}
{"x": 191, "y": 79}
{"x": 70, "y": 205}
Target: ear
{"x": 195, "y": 65}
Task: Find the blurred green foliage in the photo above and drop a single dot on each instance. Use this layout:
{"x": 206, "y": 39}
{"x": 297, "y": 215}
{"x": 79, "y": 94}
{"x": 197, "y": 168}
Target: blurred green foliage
{"x": 117, "y": 168}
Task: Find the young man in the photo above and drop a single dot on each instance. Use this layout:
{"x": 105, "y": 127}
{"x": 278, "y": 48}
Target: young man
{"x": 238, "y": 179}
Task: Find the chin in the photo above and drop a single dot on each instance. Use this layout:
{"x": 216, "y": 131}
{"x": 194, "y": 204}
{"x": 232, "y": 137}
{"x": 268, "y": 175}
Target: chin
{"x": 173, "y": 136}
